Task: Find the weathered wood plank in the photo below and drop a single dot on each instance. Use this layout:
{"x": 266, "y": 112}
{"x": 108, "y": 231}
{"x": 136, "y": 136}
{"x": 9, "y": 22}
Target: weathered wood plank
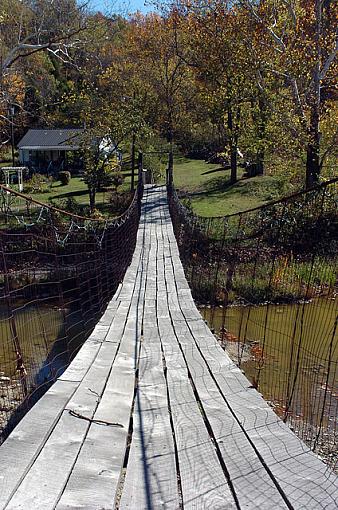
{"x": 82, "y": 362}
{"x": 23, "y": 446}
{"x": 42, "y": 485}
{"x": 151, "y": 478}
{"x": 193, "y": 408}
{"x": 202, "y": 477}
{"x": 260, "y": 433}
{"x": 64, "y": 443}
{"x": 103, "y": 450}
{"x": 203, "y": 480}
{"x": 307, "y": 482}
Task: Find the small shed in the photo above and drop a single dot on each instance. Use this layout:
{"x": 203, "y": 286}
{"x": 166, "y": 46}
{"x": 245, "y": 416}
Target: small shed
{"x": 49, "y": 150}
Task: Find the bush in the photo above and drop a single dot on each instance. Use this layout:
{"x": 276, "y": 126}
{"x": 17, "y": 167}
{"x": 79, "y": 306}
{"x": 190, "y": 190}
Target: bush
{"x": 117, "y": 179}
{"x": 96, "y": 215}
{"x": 68, "y": 204}
{"x": 186, "y": 202}
{"x": 119, "y": 202}
{"x": 6, "y": 157}
{"x": 37, "y": 184}
{"x": 64, "y": 177}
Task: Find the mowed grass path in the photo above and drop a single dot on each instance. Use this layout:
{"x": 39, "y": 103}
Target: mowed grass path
{"x": 208, "y": 187}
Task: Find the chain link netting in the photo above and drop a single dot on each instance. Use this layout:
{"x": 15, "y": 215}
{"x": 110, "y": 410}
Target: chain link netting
{"x": 266, "y": 282}
{"x": 58, "y": 271}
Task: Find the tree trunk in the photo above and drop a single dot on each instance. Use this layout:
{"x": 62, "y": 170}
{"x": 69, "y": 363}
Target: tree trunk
{"x": 92, "y": 198}
{"x": 261, "y": 134}
{"x": 233, "y": 148}
{"x": 312, "y": 155}
{"x": 313, "y": 147}
{"x": 170, "y": 178}
{"x": 260, "y": 163}
{"x": 170, "y": 137}
{"x": 233, "y": 164}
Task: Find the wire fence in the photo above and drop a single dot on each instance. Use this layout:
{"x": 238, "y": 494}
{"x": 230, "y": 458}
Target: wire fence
{"x": 58, "y": 272}
{"x": 266, "y": 282}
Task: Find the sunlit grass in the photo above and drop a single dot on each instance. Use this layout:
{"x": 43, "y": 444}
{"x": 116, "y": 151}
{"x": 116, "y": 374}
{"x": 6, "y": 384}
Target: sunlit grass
{"x": 210, "y": 192}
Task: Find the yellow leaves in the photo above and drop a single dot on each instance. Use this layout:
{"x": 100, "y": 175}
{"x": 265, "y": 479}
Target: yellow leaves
{"x": 14, "y": 85}
{"x": 329, "y": 120}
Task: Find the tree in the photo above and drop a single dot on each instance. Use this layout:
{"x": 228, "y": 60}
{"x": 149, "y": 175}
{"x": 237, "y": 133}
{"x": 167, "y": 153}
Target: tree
{"x": 99, "y": 165}
{"x": 109, "y": 123}
{"x": 32, "y": 33}
{"x": 215, "y": 50}
{"x": 31, "y": 26}
{"x": 303, "y": 40}
{"x": 153, "y": 46}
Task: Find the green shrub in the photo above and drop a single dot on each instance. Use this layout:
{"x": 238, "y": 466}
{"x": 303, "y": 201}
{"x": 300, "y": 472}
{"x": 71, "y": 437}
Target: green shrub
{"x": 119, "y": 202}
{"x": 38, "y": 184}
{"x": 116, "y": 179}
{"x": 96, "y": 215}
{"x": 186, "y": 202}
{"x": 68, "y": 204}
{"x": 64, "y": 177}
{"x": 321, "y": 272}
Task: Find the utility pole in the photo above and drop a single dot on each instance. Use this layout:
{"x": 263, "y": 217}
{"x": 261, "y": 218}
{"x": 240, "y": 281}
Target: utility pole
{"x": 11, "y": 114}
{"x": 132, "y": 184}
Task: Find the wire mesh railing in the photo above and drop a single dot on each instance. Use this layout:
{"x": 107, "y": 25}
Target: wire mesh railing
{"x": 58, "y": 272}
{"x": 266, "y": 282}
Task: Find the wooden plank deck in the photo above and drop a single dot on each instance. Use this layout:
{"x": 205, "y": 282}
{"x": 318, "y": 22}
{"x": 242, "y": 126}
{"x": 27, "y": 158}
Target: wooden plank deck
{"x": 153, "y": 414}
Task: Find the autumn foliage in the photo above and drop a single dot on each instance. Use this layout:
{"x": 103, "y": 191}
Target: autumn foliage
{"x": 252, "y": 83}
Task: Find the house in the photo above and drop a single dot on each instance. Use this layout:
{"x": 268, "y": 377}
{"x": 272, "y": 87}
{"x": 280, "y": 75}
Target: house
{"x": 51, "y": 150}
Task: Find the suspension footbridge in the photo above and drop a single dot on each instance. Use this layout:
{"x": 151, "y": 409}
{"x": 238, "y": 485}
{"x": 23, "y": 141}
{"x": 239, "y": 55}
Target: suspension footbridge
{"x": 152, "y": 413}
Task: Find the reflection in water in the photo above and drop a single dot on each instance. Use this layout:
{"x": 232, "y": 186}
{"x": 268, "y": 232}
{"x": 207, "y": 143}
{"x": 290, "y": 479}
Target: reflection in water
{"x": 290, "y": 352}
{"x": 43, "y": 332}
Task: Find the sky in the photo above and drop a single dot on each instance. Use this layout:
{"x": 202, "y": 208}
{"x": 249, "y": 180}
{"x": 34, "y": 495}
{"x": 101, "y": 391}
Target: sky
{"x": 124, "y": 6}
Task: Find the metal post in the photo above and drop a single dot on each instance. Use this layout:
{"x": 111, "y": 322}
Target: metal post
{"x": 140, "y": 165}
{"x": 20, "y": 179}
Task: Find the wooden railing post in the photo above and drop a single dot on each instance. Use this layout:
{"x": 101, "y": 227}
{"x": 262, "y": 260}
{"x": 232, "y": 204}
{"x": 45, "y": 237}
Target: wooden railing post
{"x": 170, "y": 169}
{"x": 132, "y": 183}
{"x": 140, "y": 175}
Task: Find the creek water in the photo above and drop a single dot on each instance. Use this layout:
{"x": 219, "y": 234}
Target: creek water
{"x": 286, "y": 350}
{"x": 281, "y": 348}
{"x": 43, "y": 333}
{"x": 47, "y": 337}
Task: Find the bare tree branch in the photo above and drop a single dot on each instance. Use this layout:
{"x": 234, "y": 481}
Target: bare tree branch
{"x": 25, "y": 49}
{"x": 329, "y": 61}
{"x": 281, "y": 46}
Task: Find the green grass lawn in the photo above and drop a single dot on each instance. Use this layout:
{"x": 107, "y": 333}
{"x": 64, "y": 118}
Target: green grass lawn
{"x": 191, "y": 174}
{"x": 209, "y": 190}
{"x": 207, "y": 186}
{"x": 77, "y": 189}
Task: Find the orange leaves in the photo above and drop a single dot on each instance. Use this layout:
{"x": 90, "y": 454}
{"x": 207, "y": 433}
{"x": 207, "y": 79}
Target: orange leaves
{"x": 14, "y": 85}
{"x": 13, "y": 92}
